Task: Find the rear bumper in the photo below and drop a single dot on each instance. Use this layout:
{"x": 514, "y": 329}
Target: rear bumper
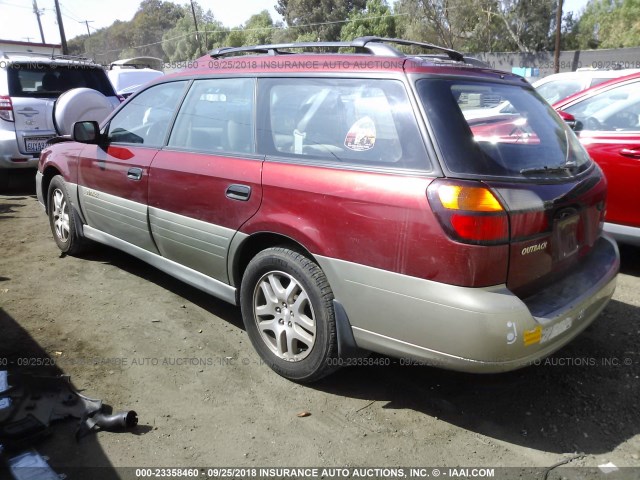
{"x": 480, "y": 330}
{"x": 10, "y": 156}
{"x": 623, "y": 233}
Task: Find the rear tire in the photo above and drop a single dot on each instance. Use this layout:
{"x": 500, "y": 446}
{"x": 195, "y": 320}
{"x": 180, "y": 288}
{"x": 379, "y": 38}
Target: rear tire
{"x": 65, "y": 223}
{"x": 287, "y": 309}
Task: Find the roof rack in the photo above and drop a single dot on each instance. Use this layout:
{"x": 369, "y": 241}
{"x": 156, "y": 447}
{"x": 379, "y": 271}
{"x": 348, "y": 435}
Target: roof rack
{"x": 50, "y": 56}
{"x": 370, "y": 45}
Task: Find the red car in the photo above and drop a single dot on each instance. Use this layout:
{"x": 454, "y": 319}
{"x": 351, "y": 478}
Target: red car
{"x": 607, "y": 121}
{"x": 343, "y": 200}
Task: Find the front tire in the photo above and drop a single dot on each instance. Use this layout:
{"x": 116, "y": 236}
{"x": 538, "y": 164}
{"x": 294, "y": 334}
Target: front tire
{"x": 287, "y": 309}
{"x": 63, "y": 219}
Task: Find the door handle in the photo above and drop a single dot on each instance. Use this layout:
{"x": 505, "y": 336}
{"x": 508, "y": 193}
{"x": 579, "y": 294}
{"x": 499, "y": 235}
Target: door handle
{"x": 134, "y": 174}
{"x": 238, "y": 192}
{"x": 630, "y": 152}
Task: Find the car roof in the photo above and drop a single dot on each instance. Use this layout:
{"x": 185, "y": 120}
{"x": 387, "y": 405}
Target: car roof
{"x": 595, "y": 89}
{"x": 584, "y": 74}
{"x": 43, "y": 58}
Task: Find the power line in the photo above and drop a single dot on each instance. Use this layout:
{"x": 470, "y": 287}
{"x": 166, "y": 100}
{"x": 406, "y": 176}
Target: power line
{"x": 69, "y": 10}
{"x": 14, "y": 5}
{"x": 226, "y": 30}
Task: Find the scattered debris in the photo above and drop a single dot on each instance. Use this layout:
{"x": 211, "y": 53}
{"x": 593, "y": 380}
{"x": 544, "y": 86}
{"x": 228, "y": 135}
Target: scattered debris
{"x": 366, "y": 406}
{"x": 111, "y": 423}
{"x": 30, "y": 465}
{"x": 608, "y": 467}
{"x": 563, "y": 462}
{"x": 35, "y": 401}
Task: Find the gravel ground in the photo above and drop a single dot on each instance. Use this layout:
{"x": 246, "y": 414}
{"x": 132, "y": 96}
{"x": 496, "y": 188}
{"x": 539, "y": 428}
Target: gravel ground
{"x": 138, "y": 339}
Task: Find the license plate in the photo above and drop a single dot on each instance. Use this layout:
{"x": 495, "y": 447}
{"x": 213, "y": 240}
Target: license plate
{"x": 35, "y": 144}
{"x": 566, "y": 237}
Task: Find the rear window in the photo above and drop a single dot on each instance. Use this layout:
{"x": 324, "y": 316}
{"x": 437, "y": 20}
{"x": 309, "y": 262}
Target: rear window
{"x": 520, "y": 136}
{"x": 357, "y": 121}
{"x": 49, "y": 81}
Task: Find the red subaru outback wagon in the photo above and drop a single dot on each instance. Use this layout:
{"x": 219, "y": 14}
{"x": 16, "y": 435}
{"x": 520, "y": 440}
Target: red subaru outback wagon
{"x": 338, "y": 193}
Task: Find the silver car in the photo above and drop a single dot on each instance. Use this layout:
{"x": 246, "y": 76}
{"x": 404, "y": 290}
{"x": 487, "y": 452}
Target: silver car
{"x": 30, "y": 84}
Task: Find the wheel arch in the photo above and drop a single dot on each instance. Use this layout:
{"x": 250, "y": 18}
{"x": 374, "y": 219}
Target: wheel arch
{"x": 249, "y": 247}
{"x": 241, "y": 254}
{"x": 47, "y": 175}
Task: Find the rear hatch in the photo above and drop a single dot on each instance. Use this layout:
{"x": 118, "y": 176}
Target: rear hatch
{"x": 34, "y": 87}
{"x": 542, "y": 194}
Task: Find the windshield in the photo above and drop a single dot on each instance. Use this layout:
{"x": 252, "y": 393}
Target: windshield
{"x": 520, "y": 138}
{"x": 556, "y": 90}
{"x": 47, "y": 80}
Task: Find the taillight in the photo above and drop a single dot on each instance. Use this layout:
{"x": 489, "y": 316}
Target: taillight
{"x": 6, "y": 109}
{"x": 469, "y": 212}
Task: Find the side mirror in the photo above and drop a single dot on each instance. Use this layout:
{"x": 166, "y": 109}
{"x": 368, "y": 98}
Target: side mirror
{"x": 86, "y": 132}
{"x": 570, "y": 120}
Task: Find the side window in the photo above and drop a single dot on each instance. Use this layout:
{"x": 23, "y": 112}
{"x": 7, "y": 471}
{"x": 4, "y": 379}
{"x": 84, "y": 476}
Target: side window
{"x": 360, "y": 121}
{"x": 146, "y": 119}
{"x": 217, "y": 116}
{"x": 614, "y": 110}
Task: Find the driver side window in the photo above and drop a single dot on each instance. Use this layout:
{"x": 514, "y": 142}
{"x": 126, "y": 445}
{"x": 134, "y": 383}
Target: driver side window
{"x": 146, "y": 118}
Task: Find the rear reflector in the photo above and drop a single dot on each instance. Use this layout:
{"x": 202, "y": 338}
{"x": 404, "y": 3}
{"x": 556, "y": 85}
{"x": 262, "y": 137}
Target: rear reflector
{"x": 469, "y": 212}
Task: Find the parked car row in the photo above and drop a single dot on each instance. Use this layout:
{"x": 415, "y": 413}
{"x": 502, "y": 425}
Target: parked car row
{"x": 42, "y": 95}
{"x": 606, "y": 119}
{"x": 345, "y": 201}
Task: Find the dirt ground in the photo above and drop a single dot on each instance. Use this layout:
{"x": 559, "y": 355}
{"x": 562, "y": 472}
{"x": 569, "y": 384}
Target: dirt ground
{"x": 138, "y": 339}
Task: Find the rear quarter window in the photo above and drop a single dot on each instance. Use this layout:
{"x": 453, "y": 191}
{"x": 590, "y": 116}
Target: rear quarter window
{"x": 519, "y": 134}
{"x": 355, "y": 121}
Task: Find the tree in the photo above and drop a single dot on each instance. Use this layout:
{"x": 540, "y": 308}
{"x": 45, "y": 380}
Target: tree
{"x": 317, "y": 19}
{"x": 181, "y": 42}
{"x": 153, "y": 18}
{"x": 376, "y": 19}
{"x": 609, "y": 24}
{"x": 450, "y": 23}
{"x": 528, "y": 23}
{"x": 259, "y": 29}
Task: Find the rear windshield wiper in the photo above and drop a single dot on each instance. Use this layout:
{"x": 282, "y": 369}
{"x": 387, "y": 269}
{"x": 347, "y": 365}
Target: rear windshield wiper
{"x": 566, "y": 168}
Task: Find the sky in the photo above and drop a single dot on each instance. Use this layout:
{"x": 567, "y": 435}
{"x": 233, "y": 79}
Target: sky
{"x": 18, "y": 22}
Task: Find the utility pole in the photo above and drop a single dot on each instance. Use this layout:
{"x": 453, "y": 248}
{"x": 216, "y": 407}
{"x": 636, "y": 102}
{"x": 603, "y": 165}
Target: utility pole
{"x": 195, "y": 21}
{"x": 556, "y": 54}
{"x": 37, "y": 12}
{"x": 87, "y": 22}
{"x": 63, "y": 38}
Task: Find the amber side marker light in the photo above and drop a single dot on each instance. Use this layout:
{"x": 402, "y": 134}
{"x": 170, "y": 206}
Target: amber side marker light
{"x": 469, "y": 213}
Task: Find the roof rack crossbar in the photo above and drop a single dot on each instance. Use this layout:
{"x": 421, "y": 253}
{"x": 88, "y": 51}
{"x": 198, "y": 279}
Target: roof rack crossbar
{"x": 370, "y": 45}
{"x": 277, "y": 49}
{"x": 453, "y": 54}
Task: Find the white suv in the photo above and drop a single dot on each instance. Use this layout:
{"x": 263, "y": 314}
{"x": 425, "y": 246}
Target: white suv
{"x": 30, "y": 85}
